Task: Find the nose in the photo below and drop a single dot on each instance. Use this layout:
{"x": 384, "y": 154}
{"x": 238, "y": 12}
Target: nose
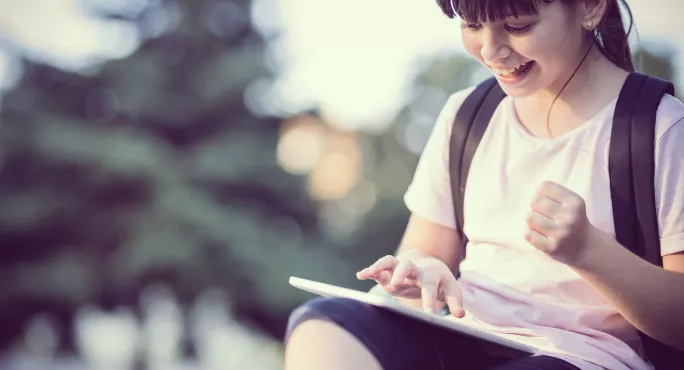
{"x": 494, "y": 47}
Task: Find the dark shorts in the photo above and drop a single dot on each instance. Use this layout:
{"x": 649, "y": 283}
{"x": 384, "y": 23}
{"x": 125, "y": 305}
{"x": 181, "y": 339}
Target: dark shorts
{"x": 401, "y": 343}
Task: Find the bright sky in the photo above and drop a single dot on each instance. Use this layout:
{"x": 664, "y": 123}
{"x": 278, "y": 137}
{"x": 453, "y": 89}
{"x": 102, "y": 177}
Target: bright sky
{"x": 352, "y": 57}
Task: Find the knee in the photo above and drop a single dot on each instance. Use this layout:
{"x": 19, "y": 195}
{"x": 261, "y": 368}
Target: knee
{"x": 333, "y": 310}
{"x": 317, "y": 344}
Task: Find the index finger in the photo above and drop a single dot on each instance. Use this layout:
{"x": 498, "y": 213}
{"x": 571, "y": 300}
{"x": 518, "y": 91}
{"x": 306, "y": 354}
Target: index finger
{"x": 383, "y": 264}
{"x": 545, "y": 206}
{"x": 554, "y": 191}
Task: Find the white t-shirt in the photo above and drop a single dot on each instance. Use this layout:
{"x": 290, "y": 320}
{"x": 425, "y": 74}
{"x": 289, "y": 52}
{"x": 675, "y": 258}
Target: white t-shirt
{"x": 511, "y": 288}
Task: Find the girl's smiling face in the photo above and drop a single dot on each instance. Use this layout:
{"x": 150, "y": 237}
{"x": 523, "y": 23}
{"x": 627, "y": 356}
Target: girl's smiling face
{"x": 531, "y": 51}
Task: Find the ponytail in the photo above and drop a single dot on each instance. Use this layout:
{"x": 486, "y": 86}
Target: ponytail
{"x": 611, "y": 37}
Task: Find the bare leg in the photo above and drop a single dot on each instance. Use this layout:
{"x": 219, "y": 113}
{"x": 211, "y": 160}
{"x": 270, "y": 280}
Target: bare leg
{"x": 319, "y": 344}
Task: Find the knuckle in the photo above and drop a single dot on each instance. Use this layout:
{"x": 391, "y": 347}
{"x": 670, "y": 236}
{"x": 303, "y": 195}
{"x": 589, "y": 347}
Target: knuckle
{"x": 575, "y": 203}
{"x": 429, "y": 278}
{"x": 548, "y": 208}
{"x": 571, "y": 219}
{"x": 407, "y": 263}
{"x": 453, "y": 284}
{"x": 561, "y": 233}
{"x": 566, "y": 219}
{"x": 386, "y": 259}
{"x": 528, "y": 236}
{"x": 452, "y": 288}
{"x": 530, "y": 219}
{"x": 429, "y": 290}
{"x": 551, "y": 224}
{"x": 537, "y": 201}
{"x": 403, "y": 270}
{"x": 404, "y": 266}
{"x": 384, "y": 262}
{"x": 542, "y": 187}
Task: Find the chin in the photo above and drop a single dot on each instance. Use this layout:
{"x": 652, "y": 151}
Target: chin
{"x": 518, "y": 92}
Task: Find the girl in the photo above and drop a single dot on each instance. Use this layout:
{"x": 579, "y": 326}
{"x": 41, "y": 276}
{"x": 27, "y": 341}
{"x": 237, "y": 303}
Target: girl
{"x": 543, "y": 267}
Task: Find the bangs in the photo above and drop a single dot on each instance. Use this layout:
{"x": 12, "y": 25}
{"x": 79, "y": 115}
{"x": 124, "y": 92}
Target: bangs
{"x": 489, "y": 10}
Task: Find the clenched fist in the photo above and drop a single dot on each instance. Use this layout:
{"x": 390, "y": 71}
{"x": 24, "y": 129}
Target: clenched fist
{"x": 558, "y": 223}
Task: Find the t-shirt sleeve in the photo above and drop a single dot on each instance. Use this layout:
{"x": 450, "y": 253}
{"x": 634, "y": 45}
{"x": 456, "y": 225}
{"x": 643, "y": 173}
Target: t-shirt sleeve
{"x": 669, "y": 185}
{"x": 429, "y": 194}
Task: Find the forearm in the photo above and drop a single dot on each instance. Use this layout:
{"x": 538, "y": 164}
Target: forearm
{"x": 649, "y": 297}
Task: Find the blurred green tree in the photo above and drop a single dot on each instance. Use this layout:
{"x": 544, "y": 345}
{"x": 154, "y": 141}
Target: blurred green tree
{"x": 151, "y": 168}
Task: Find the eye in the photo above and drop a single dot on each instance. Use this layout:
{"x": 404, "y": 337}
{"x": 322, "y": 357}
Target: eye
{"x": 471, "y": 26}
{"x": 518, "y": 30}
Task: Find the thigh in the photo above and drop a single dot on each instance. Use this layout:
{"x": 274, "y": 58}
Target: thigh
{"x": 536, "y": 363}
{"x": 397, "y": 342}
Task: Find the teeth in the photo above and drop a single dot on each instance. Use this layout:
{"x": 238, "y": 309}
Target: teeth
{"x": 506, "y": 71}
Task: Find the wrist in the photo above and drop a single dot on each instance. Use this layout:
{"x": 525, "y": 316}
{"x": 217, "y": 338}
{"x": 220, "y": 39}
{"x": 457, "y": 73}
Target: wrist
{"x": 594, "y": 247}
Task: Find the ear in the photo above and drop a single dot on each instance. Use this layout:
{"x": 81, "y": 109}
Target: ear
{"x": 593, "y": 11}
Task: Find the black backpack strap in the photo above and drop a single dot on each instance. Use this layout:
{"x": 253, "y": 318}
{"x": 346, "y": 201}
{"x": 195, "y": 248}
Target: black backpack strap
{"x": 632, "y": 165}
{"x": 643, "y": 162}
{"x": 469, "y": 126}
{"x": 620, "y": 165}
{"x": 632, "y": 171}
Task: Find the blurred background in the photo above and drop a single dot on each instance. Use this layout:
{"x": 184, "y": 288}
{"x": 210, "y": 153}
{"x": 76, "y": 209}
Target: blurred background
{"x": 166, "y": 165}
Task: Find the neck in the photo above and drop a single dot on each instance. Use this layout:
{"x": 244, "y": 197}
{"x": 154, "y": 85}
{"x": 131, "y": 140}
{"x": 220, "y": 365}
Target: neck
{"x": 595, "y": 84}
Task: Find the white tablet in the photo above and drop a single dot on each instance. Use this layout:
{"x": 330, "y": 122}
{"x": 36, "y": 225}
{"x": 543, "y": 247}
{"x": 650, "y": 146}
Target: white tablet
{"x": 491, "y": 340}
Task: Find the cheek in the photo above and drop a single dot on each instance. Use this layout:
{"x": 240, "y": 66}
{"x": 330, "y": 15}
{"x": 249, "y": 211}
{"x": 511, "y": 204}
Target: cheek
{"x": 545, "y": 49}
{"x": 472, "y": 46}
{"x": 534, "y": 47}
{"x": 554, "y": 44}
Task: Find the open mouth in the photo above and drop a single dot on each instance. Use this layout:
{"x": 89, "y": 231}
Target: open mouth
{"x": 514, "y": 72}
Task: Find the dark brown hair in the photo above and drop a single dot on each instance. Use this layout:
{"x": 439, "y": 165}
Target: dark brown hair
{"x": 610, "y": 35}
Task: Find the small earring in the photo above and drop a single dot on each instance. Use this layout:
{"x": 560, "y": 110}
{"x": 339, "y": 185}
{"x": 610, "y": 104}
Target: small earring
{"x": 589, "y": 24}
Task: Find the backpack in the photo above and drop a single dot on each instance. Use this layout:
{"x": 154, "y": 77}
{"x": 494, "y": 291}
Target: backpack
{"x": 631, "y": 166}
